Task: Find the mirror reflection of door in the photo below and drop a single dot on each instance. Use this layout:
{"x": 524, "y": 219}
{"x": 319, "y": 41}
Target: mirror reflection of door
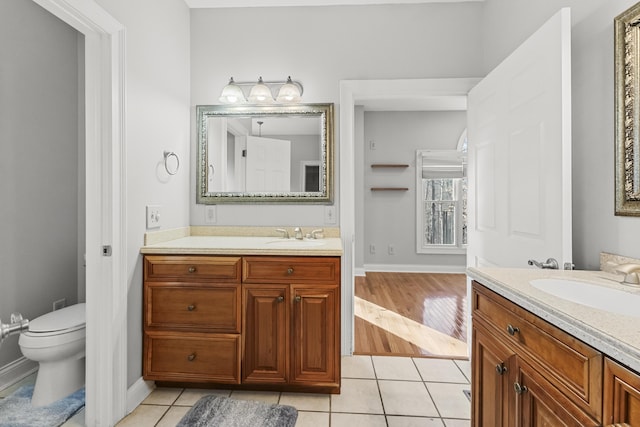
{"x": 310, "y": 176}
{"x": 268, "y": 163}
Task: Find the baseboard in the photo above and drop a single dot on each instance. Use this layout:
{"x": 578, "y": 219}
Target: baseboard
{"x": 138, "y": 392}
{"x": 411, "y": 268}
{"x": 16, "y": 371}
{"x": 359, "y": 272}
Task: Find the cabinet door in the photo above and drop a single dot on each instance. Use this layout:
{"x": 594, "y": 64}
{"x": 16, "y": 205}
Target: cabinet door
{"x": 621, "y": 395}
{"x": 491, "y": 370}
{"x": 265, "y": 331}
{"x": 316, "y": 334}
{"x": 539, "y": 403}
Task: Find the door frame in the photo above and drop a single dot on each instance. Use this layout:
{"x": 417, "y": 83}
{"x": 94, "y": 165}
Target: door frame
{"x": 105, "y": 209}
{"x": 352, "y": 93}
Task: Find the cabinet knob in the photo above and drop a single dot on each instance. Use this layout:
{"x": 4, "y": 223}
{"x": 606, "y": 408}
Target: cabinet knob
{"x": 191, "y": 357}
{"x": 192, "y": 269}
{"x": 511, "y": 330}
{"x": 280, "y": 298}
{"x": 191, "y": 307}
{"x": 298, "y": 298}
{"x": 501, "y": 369}
{"x": 520, "y": 388}
{"x": 290, "y": 271}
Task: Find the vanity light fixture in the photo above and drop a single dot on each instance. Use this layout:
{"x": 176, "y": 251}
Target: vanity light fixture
{"x": 261, "y": 93}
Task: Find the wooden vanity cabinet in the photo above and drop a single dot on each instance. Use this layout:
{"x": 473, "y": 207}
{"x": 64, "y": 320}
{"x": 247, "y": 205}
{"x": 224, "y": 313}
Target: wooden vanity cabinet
{"x": 537, "y": 373}
{"x": 621, "y": 395}
{"x": 265, "y": 322}
{"x": 292, "y": 321}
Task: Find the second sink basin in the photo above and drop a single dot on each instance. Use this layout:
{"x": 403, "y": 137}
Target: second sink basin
{"x": 295, "y": 243}
{"x": 591, "y": 295}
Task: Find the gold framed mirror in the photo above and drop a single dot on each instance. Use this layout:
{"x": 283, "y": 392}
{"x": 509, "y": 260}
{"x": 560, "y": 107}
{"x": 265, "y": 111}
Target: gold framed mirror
{"x": 627, "y": 111}
{"x": 264, "y": 154}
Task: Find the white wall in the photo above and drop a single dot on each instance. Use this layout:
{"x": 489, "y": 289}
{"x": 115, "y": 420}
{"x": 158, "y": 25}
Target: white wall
{"x": 321, "y": 46}
{"x": 157, "y": 119}
{"x": 390, "y": 216}
{"x": 506, "y": 24}
{"x": 39, "y": 209}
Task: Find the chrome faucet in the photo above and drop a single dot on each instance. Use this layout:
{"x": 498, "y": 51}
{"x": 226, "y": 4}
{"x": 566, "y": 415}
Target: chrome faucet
{"x": 298, "y": 233}
{"x": 550, "y": 264}
{"x": 631, "y": 273}
{"x": 17, "y": 325}
{"x": 284, "y": 232}
{"x": 317, "y": 234}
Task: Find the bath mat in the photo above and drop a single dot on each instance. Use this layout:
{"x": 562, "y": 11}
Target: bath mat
{"x": 225, "y": 412}
{"x": 16, "y": 409}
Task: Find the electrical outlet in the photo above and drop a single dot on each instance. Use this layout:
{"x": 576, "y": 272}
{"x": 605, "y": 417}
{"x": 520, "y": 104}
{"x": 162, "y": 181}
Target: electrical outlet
{"x": 61, "y": 303}
{"x": 372, "y": 249}
{"x": 153, "y": 216}
{"x": 330, "y": 215}
{"x": 210, "y": 216}
{"x": 392, "y": 249}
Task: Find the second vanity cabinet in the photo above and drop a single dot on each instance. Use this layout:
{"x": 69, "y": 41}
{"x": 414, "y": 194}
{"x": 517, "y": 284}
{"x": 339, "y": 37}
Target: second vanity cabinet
{"x": 527, "y": 372}
{"x": 264, "y": 322}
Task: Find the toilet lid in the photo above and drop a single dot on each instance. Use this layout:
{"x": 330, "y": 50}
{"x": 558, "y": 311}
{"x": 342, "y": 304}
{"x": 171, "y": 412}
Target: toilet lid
{"x": 59, "y": 320}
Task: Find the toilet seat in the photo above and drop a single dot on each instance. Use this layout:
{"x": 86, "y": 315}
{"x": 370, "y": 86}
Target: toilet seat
{"x": 56, "y": 328}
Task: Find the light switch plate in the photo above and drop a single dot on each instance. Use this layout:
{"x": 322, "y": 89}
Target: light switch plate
{"x": 210, "y": 214}
{"x": 153, "y": 216}
{"x": 330, "y": 215}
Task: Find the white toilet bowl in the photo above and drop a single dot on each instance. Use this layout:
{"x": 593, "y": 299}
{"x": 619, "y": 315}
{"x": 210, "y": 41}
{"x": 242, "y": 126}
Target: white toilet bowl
{"x": 56, "y": 341}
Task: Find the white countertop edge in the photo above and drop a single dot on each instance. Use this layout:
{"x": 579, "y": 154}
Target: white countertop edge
{"x": 612, "y": 347}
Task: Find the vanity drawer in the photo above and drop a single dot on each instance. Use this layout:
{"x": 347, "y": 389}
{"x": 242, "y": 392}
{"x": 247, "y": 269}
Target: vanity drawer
{"x": 265, "y": 269}
{"x": 192, "y": 268}
{"x": 576, "y": 366}
{"x": 192, "y": 357}
{"x": 214, "y": 308}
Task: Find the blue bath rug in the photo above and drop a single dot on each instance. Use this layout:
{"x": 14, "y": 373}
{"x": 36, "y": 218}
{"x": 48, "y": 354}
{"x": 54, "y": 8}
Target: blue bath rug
{"x": 16, "y": 409}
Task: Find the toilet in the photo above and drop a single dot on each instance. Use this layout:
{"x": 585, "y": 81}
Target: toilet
{"x": 56, "y": 341}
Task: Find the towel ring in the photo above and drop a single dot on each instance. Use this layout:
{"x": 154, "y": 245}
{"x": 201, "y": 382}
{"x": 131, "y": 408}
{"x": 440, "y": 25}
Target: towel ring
{"x": 167, "y": 155}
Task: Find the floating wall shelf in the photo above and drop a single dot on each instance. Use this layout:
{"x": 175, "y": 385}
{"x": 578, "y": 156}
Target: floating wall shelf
{"x": 389, "y": 189}
{"x": 389, "y": 165}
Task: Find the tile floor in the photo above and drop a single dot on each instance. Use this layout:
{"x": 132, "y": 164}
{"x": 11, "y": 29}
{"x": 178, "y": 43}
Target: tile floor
{"x": 383, "y": 391}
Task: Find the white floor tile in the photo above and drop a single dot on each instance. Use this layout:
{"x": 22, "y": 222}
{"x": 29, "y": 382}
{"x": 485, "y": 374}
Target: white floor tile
{"x": 261, "y": 396}
{"x": 307, "y": 401}
{"x": 162, "y": 396}
{"x": 143, "y": 416}
{"x": 352, "y": 420}
{"x": 312, "y": 419}
{"x": 440, "y": 370}
{"x": 190, "y": 396}
{"x": 357, "y": 367}
{"x": 357, "y": 396}
{"x": 395, "y": 368}
{"x": 407, "y": 398}
{"x": 450, "y": 400}
{"x": 457, "y": 423}
{"x": 402, "y": 421}
{"x": 77, "y": 420}
{"x": 465, "y": 366}
{"x": 173, "y": 416}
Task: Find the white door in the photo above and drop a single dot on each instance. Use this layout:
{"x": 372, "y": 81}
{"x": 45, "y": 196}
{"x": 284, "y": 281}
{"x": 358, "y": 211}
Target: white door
{"x": 519, "y": 136}
{"x": 268, "y": 165}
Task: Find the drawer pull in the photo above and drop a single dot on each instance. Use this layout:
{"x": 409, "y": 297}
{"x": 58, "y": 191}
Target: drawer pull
{"x": 191, "y": 307}
{"x": 520, "y": 388}
{"x": 191, "y": 357}
{"x": 501, "y": 369}
{"x": 298, "y": 298}
{"x": 290, "y": 271}
{"x": 280, "y": 298}
{"x": 192, "y": 269}
{"x": 511, "y": 330}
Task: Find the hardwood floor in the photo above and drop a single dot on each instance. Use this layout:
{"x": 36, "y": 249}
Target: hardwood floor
{"x": 411, "y": 314}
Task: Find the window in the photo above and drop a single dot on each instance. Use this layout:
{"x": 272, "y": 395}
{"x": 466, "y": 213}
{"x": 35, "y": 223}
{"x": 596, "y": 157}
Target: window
{"x": 441, "y": 201}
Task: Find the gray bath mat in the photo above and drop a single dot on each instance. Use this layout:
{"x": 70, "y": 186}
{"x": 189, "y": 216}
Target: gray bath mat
{"x": 225, "y": 412}
{"x": 16, "y": 409}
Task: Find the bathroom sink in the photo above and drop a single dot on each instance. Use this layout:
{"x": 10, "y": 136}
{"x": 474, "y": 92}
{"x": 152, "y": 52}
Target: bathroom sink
{"x": 295, "y": 243}
{"x": 591, "y": 295}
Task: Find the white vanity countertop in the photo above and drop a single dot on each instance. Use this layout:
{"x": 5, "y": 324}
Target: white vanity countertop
{"x": 198, "y": 243}
{"x": 615, "y": 335}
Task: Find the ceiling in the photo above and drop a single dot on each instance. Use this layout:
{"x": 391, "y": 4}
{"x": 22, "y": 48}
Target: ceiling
{"x": 279, "y": 3}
